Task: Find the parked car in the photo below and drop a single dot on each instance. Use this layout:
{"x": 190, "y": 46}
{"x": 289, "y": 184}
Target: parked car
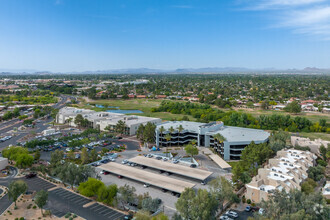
{"x": 255, "y": 209}
{"x": 30, "y": 175}
{"x": 128, "y": 217}
{"x": 150, "y": 155}
{"x": 232, "y": 214}
{"x": 146, "y": 185}
{"x": 248, "y": 208}
{"x": 193, "y": 165}
{"x": 225, "y": 217}
{"x": 120, "y": 177}
{"x": 158, "y": 158}
{"x": 261, "y": 211}
{"x": 203, "y": 183}
{"x": 175, "y": 161}
{"x": 124, "y": 162}
{"x": 165, "y": 159}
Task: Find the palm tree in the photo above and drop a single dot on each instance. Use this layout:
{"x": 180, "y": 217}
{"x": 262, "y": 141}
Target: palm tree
{"x": 161, "y": 130}
{"x": 193, "y": 142}
{"x": 171, "y": 130}
{"x": 168, "y": 138}
{"x": 180, "y": 129}
{"x": 69, "y": 121}
{"x": 219, "y": 138}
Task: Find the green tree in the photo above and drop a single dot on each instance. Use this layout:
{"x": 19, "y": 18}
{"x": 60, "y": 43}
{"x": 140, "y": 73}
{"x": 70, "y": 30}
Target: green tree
{"x": 84, "y": 156}
{"x": 120, "y": 127}
{"x": 37, "y": 155}
{"x": 90, "y": 187}
{"x": 293, "y": 107}
{"x": 16, "y": 112}
{"x": 316, "y": 173}
{"x": 308, "y": 186}
{"x": 191, "y": 150}
{"x": 79, "y": 120}
{"x": 36, "y": 113}
{"x": 200, "y": 206}
{"x": 56, "y": 157}
{"x": 41, "y": 199}
{"x": 161, "y": 132}
{"x": 107, "y": 194}
{"x": 222, "y": 190}
{"x": 24, "y": 160}
{"x": 126, "y": 194}
{"x": 180, "y": 129}
{"x": 15, "y": 189}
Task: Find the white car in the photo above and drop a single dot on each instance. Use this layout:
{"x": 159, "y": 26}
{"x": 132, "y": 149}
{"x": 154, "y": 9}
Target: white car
{"x": 232, "y": 214}
{"x": 146, "y": 185}
{"x": 225, "y": 217}
{"x": 261, "y": 211}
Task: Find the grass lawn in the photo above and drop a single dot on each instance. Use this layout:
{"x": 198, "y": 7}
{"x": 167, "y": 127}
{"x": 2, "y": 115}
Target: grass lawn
{"x": 313, "y": 135}
{"x": 314, "y": 117}
{"x": 144, "y": 105}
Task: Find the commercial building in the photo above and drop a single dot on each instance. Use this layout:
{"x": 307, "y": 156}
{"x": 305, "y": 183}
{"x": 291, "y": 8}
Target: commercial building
{"x": 286, "y": 171}
{"x": 101, "y": 120}
{"x": 314, "y": 146}
{"x": 3, "y": 163}
{"x": 234, "y": 139}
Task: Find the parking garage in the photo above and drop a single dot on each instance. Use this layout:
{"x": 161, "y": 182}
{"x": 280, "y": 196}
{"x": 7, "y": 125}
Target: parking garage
{"x": 178, "y": 169}
{"x": 143, "y": 176}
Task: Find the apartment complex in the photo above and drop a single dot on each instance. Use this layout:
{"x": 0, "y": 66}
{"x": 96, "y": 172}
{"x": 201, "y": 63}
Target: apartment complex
{"x": 100, "y": 120}
{"x": 235, "y": 139}
{"x": 314, "y": 146}
{"x": 286, "y": 171}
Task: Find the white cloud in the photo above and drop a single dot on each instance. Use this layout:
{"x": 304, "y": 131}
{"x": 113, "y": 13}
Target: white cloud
{"x": 310, "y": 17}
{"x": 280, "y": 4}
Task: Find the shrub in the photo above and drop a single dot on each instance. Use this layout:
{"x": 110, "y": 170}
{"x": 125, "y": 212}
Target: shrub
{"x": 21, "y": 218}
{"x": 248, "y": 201}
{"x": 34, "y": 207}
{"x": 67, "y": 215}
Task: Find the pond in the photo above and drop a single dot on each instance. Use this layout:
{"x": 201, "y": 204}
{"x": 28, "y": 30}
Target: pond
{"x": 125, "y": 111}
{"x": 115, "y": 109}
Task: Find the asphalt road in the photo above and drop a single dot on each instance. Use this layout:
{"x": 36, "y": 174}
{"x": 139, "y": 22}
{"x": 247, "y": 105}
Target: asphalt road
{"x": 39, "y": 127}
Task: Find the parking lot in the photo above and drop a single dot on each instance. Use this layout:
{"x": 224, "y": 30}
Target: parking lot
{"x": 74, "y": 203}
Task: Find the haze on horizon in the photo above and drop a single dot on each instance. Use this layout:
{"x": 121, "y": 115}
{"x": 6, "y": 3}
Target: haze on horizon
{"x": 81, "y": 35}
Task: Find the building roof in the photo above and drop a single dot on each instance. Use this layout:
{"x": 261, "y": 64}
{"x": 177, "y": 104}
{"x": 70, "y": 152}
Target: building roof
{"x": 173, "y": 168}
{"x": 237, "y": 134}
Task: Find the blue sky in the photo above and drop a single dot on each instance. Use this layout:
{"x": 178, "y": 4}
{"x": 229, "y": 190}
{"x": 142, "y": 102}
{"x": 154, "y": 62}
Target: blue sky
{"x": 80, "y": 35}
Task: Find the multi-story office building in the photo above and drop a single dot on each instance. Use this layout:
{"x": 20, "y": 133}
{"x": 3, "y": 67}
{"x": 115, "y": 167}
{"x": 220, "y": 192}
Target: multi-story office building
{"x": 230, "y": 146}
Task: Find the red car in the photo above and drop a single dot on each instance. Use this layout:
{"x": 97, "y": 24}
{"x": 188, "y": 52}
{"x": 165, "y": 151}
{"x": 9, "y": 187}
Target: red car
{"x": 30, "y": 175}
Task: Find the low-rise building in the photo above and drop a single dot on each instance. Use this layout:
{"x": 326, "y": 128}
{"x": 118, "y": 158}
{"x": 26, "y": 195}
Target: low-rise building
{"x": 286, "y": 171}
{"x": 314, "y": 146}
{"x": 3, "y": 163}
{"x": 235, "y": 139}
{"x": 101, "y": 120}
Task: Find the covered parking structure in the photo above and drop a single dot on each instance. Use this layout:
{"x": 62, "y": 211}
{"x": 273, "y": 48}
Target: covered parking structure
{"x": 153, "y": 179}
{"x": 220, "y": 162}
{"x": 178, "y": 169}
